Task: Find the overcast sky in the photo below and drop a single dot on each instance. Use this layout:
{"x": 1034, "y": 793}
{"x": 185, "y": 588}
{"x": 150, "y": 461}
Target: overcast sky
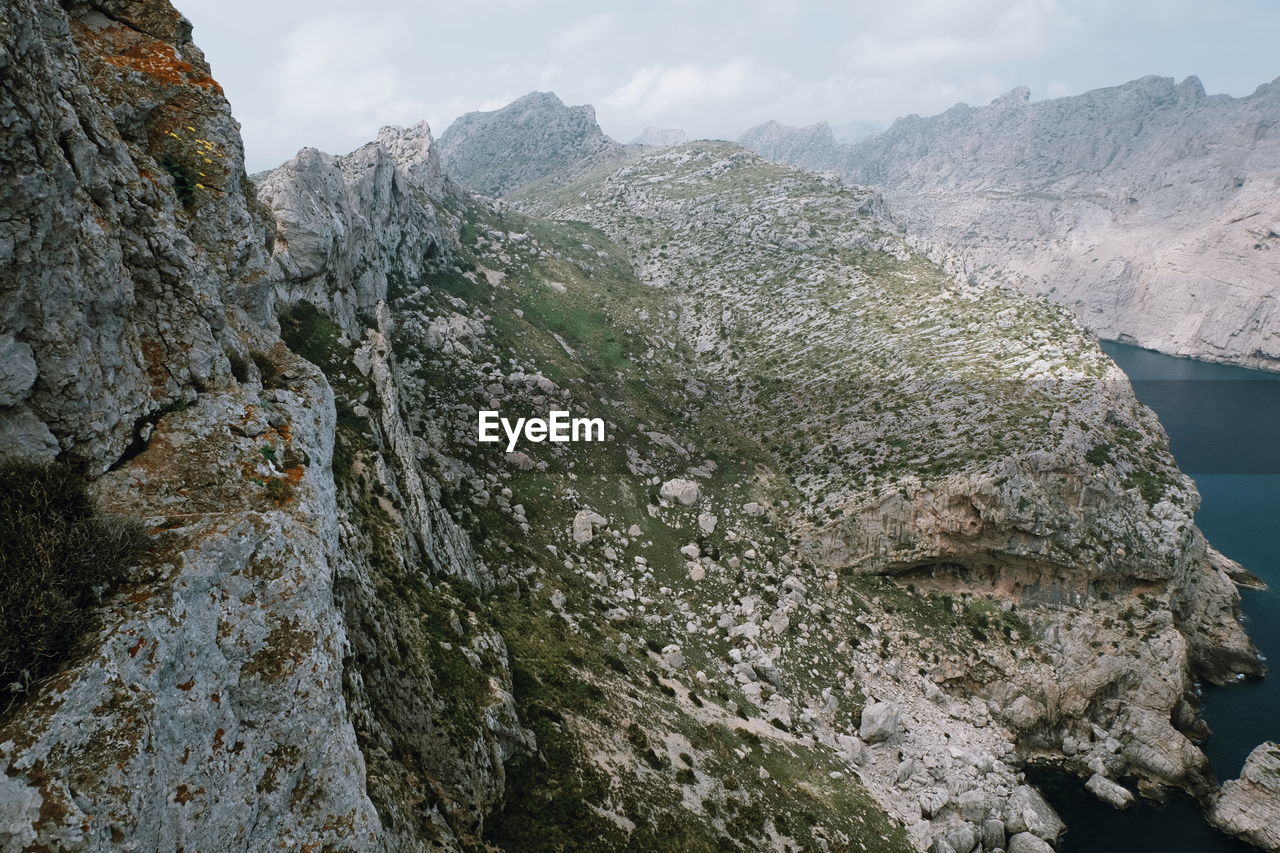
{"x": 329, "y": 74}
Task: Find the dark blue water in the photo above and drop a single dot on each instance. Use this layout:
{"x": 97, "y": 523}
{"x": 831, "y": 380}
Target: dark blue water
{"x": 1224, "y": 429}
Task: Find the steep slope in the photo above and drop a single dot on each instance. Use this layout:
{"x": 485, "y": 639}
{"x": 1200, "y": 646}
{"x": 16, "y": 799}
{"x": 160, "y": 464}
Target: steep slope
{"x": 860, "y": 541}
{"x": 968, "y": 442}
{"x": 496, "y": 152}
{"x": 275, "y": 675}
{"x": 1148, "y": 209}
{"x": 132, "y": 291}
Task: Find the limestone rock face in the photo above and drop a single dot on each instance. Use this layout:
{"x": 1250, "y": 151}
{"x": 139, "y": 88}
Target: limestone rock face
{"x": 1149, "y": 209}
{"x": 497, "y": 152}
{"x": 120, "y": 295}
{"x": 194, "y": 721}
{"x": 1249, "y": 807}
{"x": 258, "y": 687}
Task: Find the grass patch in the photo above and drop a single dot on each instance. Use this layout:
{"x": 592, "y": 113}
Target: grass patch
{"x": 58, "y": 556}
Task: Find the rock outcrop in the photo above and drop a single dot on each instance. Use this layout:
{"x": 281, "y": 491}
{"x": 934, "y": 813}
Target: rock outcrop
{"x": 1149, "y": 209}
{"x": 1249, "y": 807}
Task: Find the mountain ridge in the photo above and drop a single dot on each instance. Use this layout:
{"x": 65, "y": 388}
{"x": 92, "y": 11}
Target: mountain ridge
{"x": 1146, "y": 207}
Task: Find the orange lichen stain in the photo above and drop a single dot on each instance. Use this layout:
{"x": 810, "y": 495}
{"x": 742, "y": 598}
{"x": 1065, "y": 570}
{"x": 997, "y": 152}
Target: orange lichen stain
{"x": 155, "y": 356}
{"x": 160, "y": 61}
{"x": 217, "y": 739}
{"x": 187, "y": 685}
{"x": 141, "y": 596}
{"x": 217, "y": 700}
{"x": 186, "y": 755}
{"x": 294, "y": 474}
{"x": 137, "y": 647}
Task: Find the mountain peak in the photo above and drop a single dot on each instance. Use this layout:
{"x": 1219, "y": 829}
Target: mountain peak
{"x": 498, "y": 151}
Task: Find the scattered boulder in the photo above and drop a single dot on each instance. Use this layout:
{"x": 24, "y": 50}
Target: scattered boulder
{"x": 520, "y": 459}
{"x": 993, "y": 834}
{"x": 584, "y": 524}
{"x": 1025, "y": 842}
{"x": 1112, "y": 793}
{"x": 933, "y": 801}
{"x": 880, "y": 721}
{"x": 681, "y": 491}
{"x": 1027, "y": 811}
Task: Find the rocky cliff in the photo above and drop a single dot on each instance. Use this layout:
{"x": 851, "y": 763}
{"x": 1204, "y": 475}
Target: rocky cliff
{"x": 861, "y": 540}
{"x": 1148, "y": 209}
{"x": 256, "y": 686}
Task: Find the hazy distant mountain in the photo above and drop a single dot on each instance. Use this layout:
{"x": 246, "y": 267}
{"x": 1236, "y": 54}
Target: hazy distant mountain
{"x": 661, "y": 137}
{"x": 855, "y": 131}
{"x": 498, "y": 151}
{"x": 812, "y": 147}
{"x": 1150, "y": 209}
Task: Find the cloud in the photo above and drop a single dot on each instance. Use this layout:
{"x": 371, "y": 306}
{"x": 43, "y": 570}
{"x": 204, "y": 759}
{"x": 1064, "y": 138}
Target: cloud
{"x": 337, "y": 69}
{"x": 932, "y": 35}
{"x": 656, "y": 89}
{"x": 317, "y": 72}
{"x": 592, "y": 31}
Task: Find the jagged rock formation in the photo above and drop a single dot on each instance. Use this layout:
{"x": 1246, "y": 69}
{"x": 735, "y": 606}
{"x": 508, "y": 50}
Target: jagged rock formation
{"x": 1148, "y": 209}
{"x": 360, "y": 628}
{"x": 661, "y": 137}
{"x": 1249, "y": 807}
{"x": 499, "y": 151}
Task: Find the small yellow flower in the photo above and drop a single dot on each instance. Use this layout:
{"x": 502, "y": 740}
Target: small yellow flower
{"x": 199, "y": 186}
{"x": 190, "y": 128}
{"x": 207, "y": 160}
